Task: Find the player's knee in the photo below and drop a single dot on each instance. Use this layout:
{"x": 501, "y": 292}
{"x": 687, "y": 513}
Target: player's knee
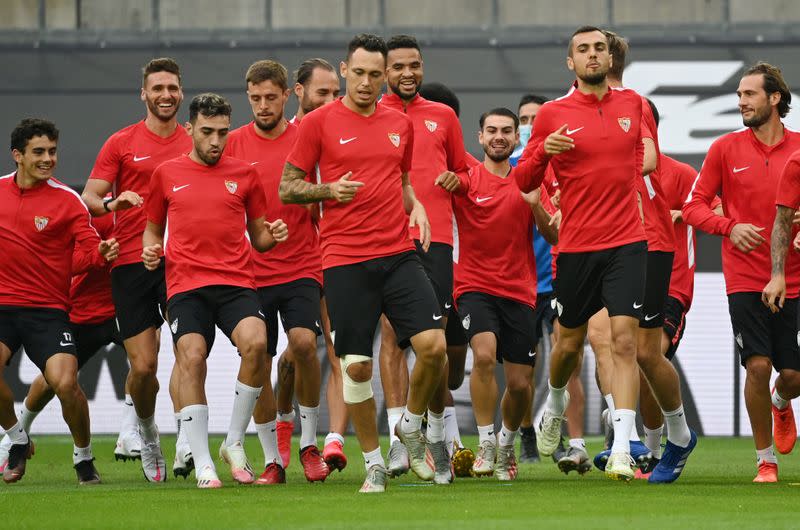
{"x": 431, "y": 347}
{"x": 625, "y": 347}
{"x": 518, "y": 384}
{"x": 192, "y": 361}
{"x": 759, "y": 368}
{"x": 65, "y": 385}
{"x": 144, "y": 365}
{"x": 356, "y": 378}
{"x": 304, "y": 347}
{"x": 483, "y": 361}
{"x": 790, "y": 379}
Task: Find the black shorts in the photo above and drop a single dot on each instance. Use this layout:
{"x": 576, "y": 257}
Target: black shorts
{"x": 298, "y": 304}
{"x": 43, "y": 332}
{"x": 140, "y": 298}
{"x": 438, "y": 265}
{"x": 89, "y": 338}
{"x": 544, "y": 315}
{"x": 454, "y": 331}
{"x": 758, "y": 331}
{"x": 512, "y": 323}
{"x": 199, "y": 310}
{"x": 613, "y": 278}
{"x": 656, "y": 288}
{"x": 396, "y": 286}
{"x": 674, "y": 324}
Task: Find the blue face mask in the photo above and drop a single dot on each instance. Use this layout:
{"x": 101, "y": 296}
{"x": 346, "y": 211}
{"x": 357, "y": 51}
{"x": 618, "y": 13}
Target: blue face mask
{"x": 524, "y": 134}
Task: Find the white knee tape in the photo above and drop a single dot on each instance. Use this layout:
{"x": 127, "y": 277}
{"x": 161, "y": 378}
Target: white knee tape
{"x": 354, "y": 392}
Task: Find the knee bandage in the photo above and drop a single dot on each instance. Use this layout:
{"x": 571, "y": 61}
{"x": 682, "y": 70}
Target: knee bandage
{"x": 354, "y": 392}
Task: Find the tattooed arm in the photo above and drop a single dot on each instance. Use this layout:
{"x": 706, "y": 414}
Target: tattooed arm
{"x": 774, "y": 293}
{"x": 295, "y": 189}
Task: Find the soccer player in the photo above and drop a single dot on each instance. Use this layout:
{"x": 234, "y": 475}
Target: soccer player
{"x": 289, "y": 279}
{"x": 602, "y": 250}
{"x": 315, "y": 84}
{"x": 125, "y": 165}
{"x": 209, "y": 275}
{"x": 42, "y": 224}
{"x": 438, "y": 147}
{"x": 744, "y": 167}
{"x": 370, "y": 266}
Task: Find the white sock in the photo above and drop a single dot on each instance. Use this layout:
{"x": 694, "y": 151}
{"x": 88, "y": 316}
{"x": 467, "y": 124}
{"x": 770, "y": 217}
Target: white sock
{"x": 26, "y": 417}
{"x": 623, "y": 420}
{"x": 268, "y": 436}
{"x": 634, "y": 435}
{"x": 148, "y": 429}
{"x": 451, "y": 433}
{"x": 610, "y": 402}
{"x": 777, "y": 400}
{"x": 17, "y": 434}
{"x": 556, "y": 400}
{"x": 393, "y": 415}
{"x": 677, "y": 429}
{"x": 181, "y": 437}
{"x": 79, "y": 454}
{"x": 652, "y": 439}
{"x": 766, "y": 455}
{"x": 195, "y": 423}
{"x": 435, "y": 430}
{"x": 286, "y": 416}
{"x": 373, "y": 457}
{"x": 577, "y": 443}
{"x": 486, "y": 433}
{"x": 308, "y": 425}
{"x": 129, "y": 419}
{"x": 410, "y": 422}
{"x": 244, "y": 402}
{"x": 334, "y": 437}
{"x": 506, "y": 436}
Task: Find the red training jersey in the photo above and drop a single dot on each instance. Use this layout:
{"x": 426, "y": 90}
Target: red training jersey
{"x": 40, "y": 230}
{"x": 598, "y": 176}
{"x": 127, "y": 160}
{"x": 378, "y": 149}
{"x": 206, "y": 209}
{"x": 657, "y": 219}
{"x": 299, "y": 256}
{"x": 745, "y": 172}
{"x": 438, "y": 147}
{"x": 90, "y": 291}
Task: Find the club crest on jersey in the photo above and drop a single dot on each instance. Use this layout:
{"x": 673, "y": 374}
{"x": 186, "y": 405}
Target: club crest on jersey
{"x": 40, "y": 222}
{"x": 431, "y": 125}
{"x": 625, "y": 123}
{"x": 174, "y": 326}
{"x": 395, "y": 139}
{"x": 466, "y": 322}
{"x": 232, "y": 185}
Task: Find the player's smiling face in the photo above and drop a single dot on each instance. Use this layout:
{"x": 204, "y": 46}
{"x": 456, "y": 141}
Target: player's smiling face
{"x": 589, "y": 57}
{"x": 323, "y": 87}
{"x": 404, "y": 72}
{"x": 364, "y": 74}
{"x": 37, "y": 160}
{"x": 755, "y": 104}
{"x": 498, "y": 137}
{"x": 267, "y": 101}
{"x": 163, "y": 95}
{"x": 209, "y": 134}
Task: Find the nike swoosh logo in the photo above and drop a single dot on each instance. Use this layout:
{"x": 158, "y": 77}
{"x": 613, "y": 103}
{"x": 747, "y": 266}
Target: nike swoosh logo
{"x": 618, "y": 419}
{"x": 140, "y": 158}
{"x": 342, "y": 141}
{"x": 437, "y": 317}
{"x": 482, "y": 199}
{"x": 188, "y": 419}
{"x": 637, "y": 306}
{"x": 62, "y": 343}
{"x": 303, "y": 416}
{"x": 447, "y": 306}
{"x": 531, "y": 354}
{"x": 648, "y": 318}
{"x": 573, "y": 131}
{"x": 740, "y": 169}
{"x": 179, "y": 188}
{"x": 253, "y": 163}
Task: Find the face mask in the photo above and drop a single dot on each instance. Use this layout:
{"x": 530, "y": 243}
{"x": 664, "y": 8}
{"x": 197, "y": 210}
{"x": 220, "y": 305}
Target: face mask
{"x": 524, "y": 134}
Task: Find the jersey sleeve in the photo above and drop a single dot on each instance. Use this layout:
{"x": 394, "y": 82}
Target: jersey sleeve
{"x": 530, "y": 169}
{"x": 550, "y": 182}
{"x": 456, "y": 160}
{"x": 85, "y": 254}
{"x": 697, "y": 209}
{"x": 789, "y": 185}
{"x": 256, "y": 203}
{"x": 157, "y": 202}
{"x": 108, "y": 161}
{"x": 405, "y": 163}
{"x": 308, "y": 145}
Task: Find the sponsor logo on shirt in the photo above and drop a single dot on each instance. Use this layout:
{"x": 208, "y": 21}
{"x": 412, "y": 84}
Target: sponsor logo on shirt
{"x": 395, "y": 139}
{"x": 231, "y": 185}
{"x": 431, "y": 125}
{"x": 625, "y": 123}
{"x": 40, "y": 222}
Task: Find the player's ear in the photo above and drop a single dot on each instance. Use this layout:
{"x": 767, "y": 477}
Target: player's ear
{"x": 16, "y": 155}
{"x": 570, "y": 63}
{"x": 343, "y": 69}
{"x": 188, "y": 127}
{"x": 298, "y": 90}
{"x": 142, "y": 95}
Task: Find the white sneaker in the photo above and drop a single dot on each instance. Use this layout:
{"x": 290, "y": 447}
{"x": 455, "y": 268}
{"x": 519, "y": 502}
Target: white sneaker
{"x": 419, "y": 457}
{"x": 443, "y": 468}
{"x": 398, "y": 459}
{"x": 207, "y": 478}
{"x": 620, "y": 466}
{"x": 5, "y": 446}
{"x": 235, "y": 457}
{"x": 153, "y": 464}
{"x": 184, "y": 462}
{"x": 506, "y": 466}
{"x": 484, "y": 460}
{"x": 375, "y": 481}
{"x": 129, "y": 446}
{"x": 548, "y": 432}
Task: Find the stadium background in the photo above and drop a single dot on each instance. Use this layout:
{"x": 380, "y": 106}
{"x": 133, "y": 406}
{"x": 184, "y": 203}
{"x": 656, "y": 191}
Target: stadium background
{"x": 78, "y": 63}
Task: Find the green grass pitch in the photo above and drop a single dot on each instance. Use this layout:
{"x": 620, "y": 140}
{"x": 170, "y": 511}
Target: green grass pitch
{"x": 714, "y": 492}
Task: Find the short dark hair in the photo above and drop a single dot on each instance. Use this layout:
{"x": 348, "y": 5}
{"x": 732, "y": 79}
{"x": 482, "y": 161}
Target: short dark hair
{"x": 368, "y": 41}
{"x": 31, "y": 128}
{"x": 209, "y": 105}
{"x": 499, "y": 111}
{"x": 618, "y": 48}
{"x": 653, "y": 108}
{"x": 440, "y": 93}
{"x": 267, "y": 70}
{"x": 532, "y": 98}
{"x": 303, "y": 74}
{"x": 773, "y": 82}
{"x": 582, "y": 29}
{"x": 161, "y": 64}
{"x": 402, "y": 41}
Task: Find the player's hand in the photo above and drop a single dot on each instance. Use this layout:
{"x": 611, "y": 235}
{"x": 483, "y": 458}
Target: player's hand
{"x": 677, "y": 216}
{"x": 796, "y": 242}
{"x": 533, "y": 198}
{"x": 747, "y": 237}
{"x": 796, "y": 218}
{"x": 556, "y": 199}
{"x": 278, "y": 229}
{"x": 555, "y": 220}
{"x": 151, "y": 256}
{"x": 109, "y": 249}
{"x": 558, "y": 142}
{"x": 419, "y": 218}
{"x": 448, "y": 181}
{"x": 344, "y": 190}
{"x": 125, "y": 200}
{"x": 774, "y": 294}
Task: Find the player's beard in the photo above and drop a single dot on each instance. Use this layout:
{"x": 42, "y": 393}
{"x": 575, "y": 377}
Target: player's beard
{"x": 306, "y": 104}
{"x": 759, "y": 117}
{"x": 405, "y": 96}
{"x": 495, "y": 157}
{"x": 208, "y": 158}
{"x": 594, "y": 79}
{"x": 155, "y": 110}
{"x": 267, "y": 126}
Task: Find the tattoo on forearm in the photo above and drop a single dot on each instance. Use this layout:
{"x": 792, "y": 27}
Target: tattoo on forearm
{"x": 295, "y": 189}
{"x": 781, "y": 234}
